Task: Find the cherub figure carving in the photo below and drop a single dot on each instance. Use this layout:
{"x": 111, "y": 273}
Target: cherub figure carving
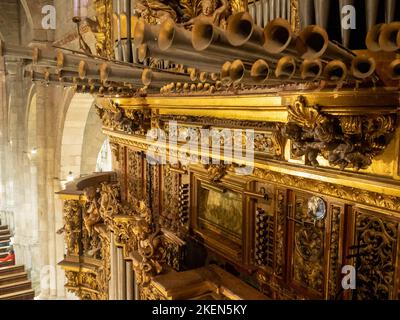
{"x": 211, "y": 10}
{"x": 92, "y": 214}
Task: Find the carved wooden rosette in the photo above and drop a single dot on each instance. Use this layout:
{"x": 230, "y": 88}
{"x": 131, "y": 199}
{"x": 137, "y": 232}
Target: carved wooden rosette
{"x": 344, "y": 141}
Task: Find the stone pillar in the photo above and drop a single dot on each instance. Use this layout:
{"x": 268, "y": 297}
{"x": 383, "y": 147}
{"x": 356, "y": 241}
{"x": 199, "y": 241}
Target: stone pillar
{"x": 121, "y": 275}
{"x": 130, "y": 283}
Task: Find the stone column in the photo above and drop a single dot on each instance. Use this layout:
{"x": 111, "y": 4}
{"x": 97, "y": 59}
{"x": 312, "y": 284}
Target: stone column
{"x": 130, "y": 283}
{"x": 121, "y": 275}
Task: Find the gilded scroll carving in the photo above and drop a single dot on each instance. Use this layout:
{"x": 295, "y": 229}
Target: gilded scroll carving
{"x": 329, "y": 189}
{"x": 72, "y": 226}
{"x": 344, "y": 141}
{"x": 91, "y": 222}
{"x": 134, "y": 175}
{"x": 280, "y": 233}
{"x": 334, "y": 252}
{"x": 169, "y": 217}
{"x": 309, "y": 248}
{"x": 101, "y": 26}
{"x": 128, "y": 121}
{"x": 85, "y": 285}
{"x": 377, "y": 238}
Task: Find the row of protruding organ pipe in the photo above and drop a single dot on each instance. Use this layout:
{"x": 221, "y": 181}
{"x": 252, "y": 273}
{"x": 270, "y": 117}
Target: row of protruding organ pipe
{"x": 243, "y": 53}
{"x": 320, "y": 12}
{"x": 264, "y": 11}
{"x": 87, "y": 73}
{"x": 247, "y": 53}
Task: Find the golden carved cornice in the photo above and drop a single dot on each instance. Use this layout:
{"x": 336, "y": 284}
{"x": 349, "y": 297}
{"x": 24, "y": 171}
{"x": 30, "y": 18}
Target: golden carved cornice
{"x": 344, "y": 141}
{"x": 354, "y": 195}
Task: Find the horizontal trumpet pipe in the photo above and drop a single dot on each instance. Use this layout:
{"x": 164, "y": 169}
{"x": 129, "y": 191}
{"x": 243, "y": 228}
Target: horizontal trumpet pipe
{"x": 150, "y": 76}
{"x": 225, "y": 73}
{"x": 244, "y": 34}
{"x": 145, "y": 33}
{"x": 388, "y": 37}
{"x": 394, "y": 69}
{"x": 335, "y": 71}
{"x": 239, "y": 72}
{"x": 372, "y": 39}
{"x": 260, "y": 71}
{"x": 173, "y": 36}
{"x": 180, "y": 57}
{"x": 212, "y": 41}
{"x": 241, "y": 31}
{"x": 285, "y": 68}
{"x": 311, "y": 69}
{"x": 313, "y": 43}
{"x": 362, "y": 67}
{"x": 43, "y": 57}
{"x": 279, "y": 37}
{"x": 117, "y": 73}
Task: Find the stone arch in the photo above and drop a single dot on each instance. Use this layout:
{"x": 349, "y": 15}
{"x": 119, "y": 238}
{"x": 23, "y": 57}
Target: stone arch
{"x": 81, "y": 138}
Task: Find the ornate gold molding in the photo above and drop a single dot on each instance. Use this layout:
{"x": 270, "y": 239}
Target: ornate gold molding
{"x": 329, "y": 189}
{"x": 101, "y": 27}
{"x": 345, "y": 141}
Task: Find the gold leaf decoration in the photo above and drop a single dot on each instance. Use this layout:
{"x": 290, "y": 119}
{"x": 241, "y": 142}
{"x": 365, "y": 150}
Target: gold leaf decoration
{"x": 191, "y": 8}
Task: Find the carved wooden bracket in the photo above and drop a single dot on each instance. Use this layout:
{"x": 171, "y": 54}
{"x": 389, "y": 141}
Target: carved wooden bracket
{"x": 345, "y": 141}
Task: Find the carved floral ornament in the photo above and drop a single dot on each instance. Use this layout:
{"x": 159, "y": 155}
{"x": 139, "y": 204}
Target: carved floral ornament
{"x": 345, "y": 141}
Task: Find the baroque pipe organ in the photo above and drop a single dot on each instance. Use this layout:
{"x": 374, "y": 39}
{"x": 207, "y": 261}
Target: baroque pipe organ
{"x": 323, "y": 187}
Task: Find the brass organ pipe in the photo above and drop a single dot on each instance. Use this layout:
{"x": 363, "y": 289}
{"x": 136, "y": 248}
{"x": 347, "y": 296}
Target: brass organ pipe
{"x": 173, "y": 36}
{"x": 345, "y": 32}
{"x": 88, "y": 70}
{"x": 394, "y": 69}
{"x": 129, "y": 56}
{"x": 390, "y": 10}
{"x": 362, "y": 67}
{"x": 271, "y": 10}
{"x": 242, "y": 32}
{"x": 284, "y": 9}
{"x": 313, "y": 43}
{"x": 120, "y": 74}
{"x": 260, "y": 71}
{"x": 42, "y": 57}
{"x": 322, "y": 12}
{"x": 150, "y": 76}
{"x": 212, "y": 41}
{"x": 285, "y": 68}
{"x": 335, "y": 71}
{"x": 182, "y": 57}
{"x": 145, "y": 33}
{"x": 277, "y": 8}
{"x": 371, "y": 8}
{"x": 306, "y": 13}
{"x": 225, "y": 73}
{"x": 239, "y": 72}
{"x": 311, "y": 69}
{"x": 175, "y": 41}
{"x": 279, "y": 37}
{"x": 372, "y": 39}
{"x": 388, "y": 37}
